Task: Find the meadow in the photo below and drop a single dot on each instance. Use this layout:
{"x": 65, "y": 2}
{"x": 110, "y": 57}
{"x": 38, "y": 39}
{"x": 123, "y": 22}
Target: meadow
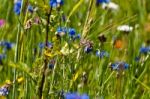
{"x": 74, "y": 49}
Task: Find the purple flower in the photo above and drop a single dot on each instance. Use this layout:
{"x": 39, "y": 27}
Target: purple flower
{"x": 2, "y": 22}
{"x": 4, "y": 91}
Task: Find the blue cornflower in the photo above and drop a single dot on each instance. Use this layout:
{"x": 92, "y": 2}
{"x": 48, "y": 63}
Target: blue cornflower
{"x": 72, "y": 32}
{"x": 119, "y": 66}
{"x": 7, "y": 45}
{"x": 17, "y": 7}
{"x": 4, "y": 91}
{"x": 102, "y": 54}
{"x": 84, "y": 96}
{"x": 76, "y": 96}
{"x": 88, "y": 49}
{"x": 30, "y": 8}
{"x": 61, "y": 31}
{"x": 54, "y": 3}
{"x": 144, "y": 50}
{"x": 102, "y": 1}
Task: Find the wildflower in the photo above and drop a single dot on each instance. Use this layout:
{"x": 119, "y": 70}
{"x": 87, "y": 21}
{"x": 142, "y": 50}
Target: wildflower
{"x": 145, "y": 50}
{"x": 118, "y": 44}
{"x": 2, "y": 22}
{"x": 119, "y": 66}
{"x": 17, "y": 7}
{"x": 61, "y": 31}
{"x": 7, "y": 45}
{"x": 55, "y": 3}
{"x": 88, "y": 49}
{"x": 4, "y": 91}
{"x": 20, "y": 80}
{"x": 102, "y": 54}
{"x": 125, "y": 28}
{"x": 102, "y": 1}
{"x": 102, "y": 38}
{"x": 72, "y": 32}
{"x": 76, "y": 96}
{"x": 30, "y": 8}
{"x": 110, "y": 5}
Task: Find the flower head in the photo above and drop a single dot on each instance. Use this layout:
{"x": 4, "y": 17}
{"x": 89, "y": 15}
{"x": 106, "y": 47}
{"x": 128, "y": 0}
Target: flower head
{"x": 102, "y": 1}
{"x": 55, "y": 3}
{"x": 125, "y": 28}
{"x": 72, "y": 32}
{"x": 76, "y": 96}
{"x": 119, "y": 66}
{"x": 61, "y": 31}
{"x": 145, "y": 50}
{"x": 88, "y": 49}
{"x": 17, "y": 7}
{"x": 7, "y": 45}
{"x": 102, "y": 54}
{"x": 2, "y": 22}
{"x": 4, "y": 91}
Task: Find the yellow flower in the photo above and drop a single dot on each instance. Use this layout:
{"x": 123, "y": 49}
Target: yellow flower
{"x": 20, "y": 80}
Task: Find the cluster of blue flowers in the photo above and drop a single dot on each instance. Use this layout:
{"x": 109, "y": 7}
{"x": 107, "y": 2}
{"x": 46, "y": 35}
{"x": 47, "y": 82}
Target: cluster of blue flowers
{"x": 119, "y": 66}
{"x": 76, "y": 96}
{"x": 17, "y": 7}
{"x": 71, "y": 32}
{"x": 55, "y": 3}
{"x": 4, "y": 91}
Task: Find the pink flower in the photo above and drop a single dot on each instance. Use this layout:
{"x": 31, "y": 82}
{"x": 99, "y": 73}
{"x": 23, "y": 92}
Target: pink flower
{"x": 2, "y": 22}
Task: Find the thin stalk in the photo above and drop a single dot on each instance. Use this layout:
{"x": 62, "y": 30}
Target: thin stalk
{"x": 40, "y": 90}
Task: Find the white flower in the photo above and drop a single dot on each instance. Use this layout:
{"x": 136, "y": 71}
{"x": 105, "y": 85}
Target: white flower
{"x": 125, "y": 28}
{"x": 110, "y": 5}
